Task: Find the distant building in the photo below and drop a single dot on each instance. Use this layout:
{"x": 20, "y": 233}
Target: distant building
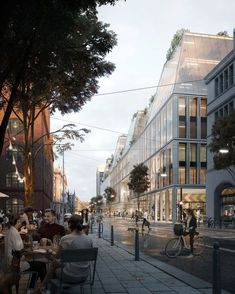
{"x": 99, "y": 176}
{"x": 60, "y": 185}
{"x": 221, "y": 101}
{"x": 12, "y": 159}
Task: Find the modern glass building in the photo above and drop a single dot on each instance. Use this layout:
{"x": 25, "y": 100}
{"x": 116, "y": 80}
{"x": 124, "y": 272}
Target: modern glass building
{"x": 172, "y": 141}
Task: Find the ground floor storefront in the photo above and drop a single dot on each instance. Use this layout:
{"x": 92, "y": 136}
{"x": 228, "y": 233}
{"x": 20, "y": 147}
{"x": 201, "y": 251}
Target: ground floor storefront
{"x": 166, "y": 205}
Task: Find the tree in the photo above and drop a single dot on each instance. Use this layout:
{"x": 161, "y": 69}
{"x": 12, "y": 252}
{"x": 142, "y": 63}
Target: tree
{"x": 139, "y": 181}
{"x": 175, "y": 42}
{"x": 110, "y": 195}
{"x": 96, "y": 202}
{"x": 223, "y": 137}
{"x": 57, "y": 53}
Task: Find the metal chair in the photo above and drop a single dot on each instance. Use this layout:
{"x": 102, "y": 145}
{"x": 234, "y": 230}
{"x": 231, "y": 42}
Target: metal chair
{"x": 76, "y": 255}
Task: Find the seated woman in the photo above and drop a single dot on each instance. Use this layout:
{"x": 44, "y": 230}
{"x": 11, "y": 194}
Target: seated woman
{"x": 76, "y": 239}
{"x": 14, "y": 243}
{"x": 64, "y": 243}
{"x": 76, "y": 271}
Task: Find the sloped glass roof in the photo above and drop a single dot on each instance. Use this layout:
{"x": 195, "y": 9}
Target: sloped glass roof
{"x": 184, "y": 73}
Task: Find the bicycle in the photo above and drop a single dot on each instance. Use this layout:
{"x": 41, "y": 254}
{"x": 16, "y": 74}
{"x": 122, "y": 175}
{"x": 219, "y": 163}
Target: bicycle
{"x": 175, "y": 245}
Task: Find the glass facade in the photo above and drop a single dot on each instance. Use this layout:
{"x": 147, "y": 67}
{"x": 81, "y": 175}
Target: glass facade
{"x": 173, "y": 141}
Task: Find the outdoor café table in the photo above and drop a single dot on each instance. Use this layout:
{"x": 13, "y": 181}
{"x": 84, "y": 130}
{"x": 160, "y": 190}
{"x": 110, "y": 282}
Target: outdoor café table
{"x": 40, "y": 253}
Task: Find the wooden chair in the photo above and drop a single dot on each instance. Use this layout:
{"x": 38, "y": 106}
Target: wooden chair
{"x": 76, "y": 255}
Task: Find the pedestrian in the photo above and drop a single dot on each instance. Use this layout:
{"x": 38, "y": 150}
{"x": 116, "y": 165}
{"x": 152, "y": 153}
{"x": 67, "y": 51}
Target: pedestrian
{"x": 145, "y": 220}
{"x": 191, "y": 225}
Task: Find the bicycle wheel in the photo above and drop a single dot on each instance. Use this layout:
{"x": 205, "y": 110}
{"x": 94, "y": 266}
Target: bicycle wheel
{"x": 198, "y": 245}
{"x": 173, "y": 247}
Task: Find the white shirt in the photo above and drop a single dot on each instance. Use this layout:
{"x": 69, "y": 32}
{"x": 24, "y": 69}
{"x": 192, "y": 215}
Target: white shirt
{"x": 14, "y": 242}
{"x": 145, "y": 215}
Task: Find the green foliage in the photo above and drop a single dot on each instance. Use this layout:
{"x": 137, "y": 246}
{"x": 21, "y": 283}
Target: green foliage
{"x": 110, "y": 194}
{"x": 139, "y": 180}
{"x": 223, "y": 33}
{"x": 57, "y": 54}
{"x": 223, "y": 136}
{"x": 175, "y": 42}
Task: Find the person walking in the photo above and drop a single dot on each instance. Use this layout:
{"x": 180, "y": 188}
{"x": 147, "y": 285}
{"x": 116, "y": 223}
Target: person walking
{"x": 145, "y": 220}
{"x": 191, "y": 225}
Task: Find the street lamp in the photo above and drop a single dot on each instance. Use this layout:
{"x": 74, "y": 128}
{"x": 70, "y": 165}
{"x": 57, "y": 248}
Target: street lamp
{"x": 223, "y": 150}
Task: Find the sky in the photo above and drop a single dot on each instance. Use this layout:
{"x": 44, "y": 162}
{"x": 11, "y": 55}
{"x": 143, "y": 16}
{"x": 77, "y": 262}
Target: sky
{"x": 144, "y": 31}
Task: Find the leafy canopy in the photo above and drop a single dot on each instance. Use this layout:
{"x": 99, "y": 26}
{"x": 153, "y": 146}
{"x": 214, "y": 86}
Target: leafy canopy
{"x": 139, "y": 180}
{"x": 57, "y": 54}
{"x": 110, "y": 194}
{"x": 223, "y": 137}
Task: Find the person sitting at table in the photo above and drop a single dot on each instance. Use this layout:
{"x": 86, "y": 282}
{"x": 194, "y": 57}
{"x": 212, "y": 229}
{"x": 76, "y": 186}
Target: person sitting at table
{"x": 50, "y": 228}
{"x": 27, "y": 216}
{"x": 13, "y": 243}
{"x": 64, "y": 243}
{"x": 76, "y": 239}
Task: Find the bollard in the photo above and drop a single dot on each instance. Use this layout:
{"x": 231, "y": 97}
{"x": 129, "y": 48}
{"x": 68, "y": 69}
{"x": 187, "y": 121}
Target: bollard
{"x": 216, "y": 269}
{"x": 112, "y": 235}
{"x": 99, "y": 231}
{"x": 137, "y": 249}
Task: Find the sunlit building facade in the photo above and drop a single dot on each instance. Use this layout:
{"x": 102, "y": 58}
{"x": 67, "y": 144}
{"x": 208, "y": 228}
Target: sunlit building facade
{"x": 172, "y": 142}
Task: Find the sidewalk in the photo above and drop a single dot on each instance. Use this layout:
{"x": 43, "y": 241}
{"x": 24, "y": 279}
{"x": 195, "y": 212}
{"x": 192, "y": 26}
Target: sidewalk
{"x": 118, "y": 272}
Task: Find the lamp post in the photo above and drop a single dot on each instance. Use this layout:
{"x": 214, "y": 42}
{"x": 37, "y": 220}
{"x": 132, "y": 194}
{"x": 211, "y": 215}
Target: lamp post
{"x": 63, "y": 193}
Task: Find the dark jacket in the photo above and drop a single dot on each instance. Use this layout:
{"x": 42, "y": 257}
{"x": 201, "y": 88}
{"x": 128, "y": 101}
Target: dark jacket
{"x": 192, "y": 225}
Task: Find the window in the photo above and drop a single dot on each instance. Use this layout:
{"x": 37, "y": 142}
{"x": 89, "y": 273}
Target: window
{"x": 203, "y": 108}
{"x": 182, "y": 106}
{"x": 203, "y": 175}
{"x": 182, "y": 152}
{"x": 230, "y": 107}
{"x": 193, "y": 107}
{"x": 226, "y": 79}
{"x": 15, "y": 126}
{"x": 221, "y": 84}
{"x": 182, "y": 117}
{"x": 226, "y": 110}
{"x": 18, "y": 154}
{"x": 230, "y": 70}
{"x": 182, "y": 176}
{"x": 182, "y": 127}
{"x": 193, "y": 153}
{"x": 193, "y": 175}
{"x": 12, "y": 180}
{"x": 203, "y": 153}
{"x": 203, "y": 127}
{"x": 216, "y": 87}
{"x": 193, "y": 127}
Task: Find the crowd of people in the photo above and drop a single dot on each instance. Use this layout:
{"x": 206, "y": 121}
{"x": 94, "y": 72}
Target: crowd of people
{"x": 22, "y": 231}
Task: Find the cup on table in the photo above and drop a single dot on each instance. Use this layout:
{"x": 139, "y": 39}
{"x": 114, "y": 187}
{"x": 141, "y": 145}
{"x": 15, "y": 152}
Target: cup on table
{"x": 35, "y": 244}
{"x": 44, "y": 241}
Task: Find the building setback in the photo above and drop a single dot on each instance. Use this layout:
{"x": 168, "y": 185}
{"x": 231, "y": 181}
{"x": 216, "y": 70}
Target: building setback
{"x": 172, "y": 142}
{"x": 221, "y": 101}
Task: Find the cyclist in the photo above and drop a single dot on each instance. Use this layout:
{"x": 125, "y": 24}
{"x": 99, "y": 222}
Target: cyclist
{"x": 191, "y": 224}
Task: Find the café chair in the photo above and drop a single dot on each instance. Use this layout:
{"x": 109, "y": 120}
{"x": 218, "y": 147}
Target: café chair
{"x": 13, "y": 274}
{"x": 76, "y": 255}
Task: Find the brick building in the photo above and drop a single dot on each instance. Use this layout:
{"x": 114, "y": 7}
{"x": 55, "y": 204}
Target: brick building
{"x": 12, "y": 164}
